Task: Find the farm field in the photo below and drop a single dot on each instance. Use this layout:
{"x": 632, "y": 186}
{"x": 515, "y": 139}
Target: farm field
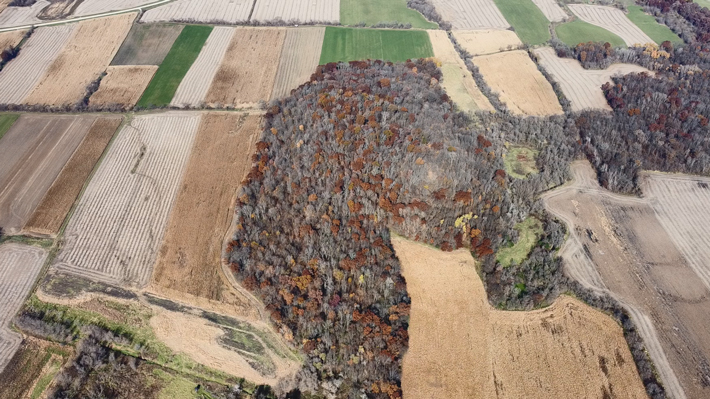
{"x": 177, "y": 62}
{"x": 581, "y": 86}
{"x": 19, "y": 267}
{"x": 15, "y": 16}
{"x": 348, "y": 44}
{"x": 116, "y": 229}
{"x": 189, "y": 263}
{"x": 552, "y": 352}
{"x": 529, "y": 22}
{"x": 21, "y": 75}
{"x": 471, "y": 14}
{"x": 49, "y": 215}
{"x": 33, "y": 359}
{"x": 299, "y": 58}
{"x": 519, "y": 83}
{"x": 297, "y": 11}
{"x": 88, "y": 7}
{"x": 457, "y": 82}
{"x": 206, "y": 11}
{"x": 123, "y": 85}
{"x": 86, "y": 55}
{"x": 194, "y": 86}
{"x": 488, "y": 41}
{"x": 248, "y": 70}
{"x": 147, "y": 44}
{"x": 11, "y": 39}
{"x": 625, "y": 246}
{"x": 702, "y": 3}
{"x": 648, "y": 24}
{"x": 613, "y": 20}
{"x": 6, "y": 122}
{"x": 34, "y": 151}
{"x": 578, "y": 31}
{"x": 373, "y": 12}
{"x": 552, "y": 10}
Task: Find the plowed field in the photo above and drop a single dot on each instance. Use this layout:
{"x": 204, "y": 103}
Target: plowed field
{"x": 147, "y": 44}
{"x": 471, "y": 14}
{"x": 299, "y": 59}
{"x": 553, "y": 12}
{"x": 481, "y": 42}
{"x": 298, "y": 11}
{"x": 86, "y": 55}
{"x": 123, "y": 85}
{"x": 459, "y": 347}
{"x": 118, "y": 225}
{"x": 212, "y": 11}
{"x": 88, "y": 7}
{"x": 16, "y": 16}
{"x": 613, "y": 20}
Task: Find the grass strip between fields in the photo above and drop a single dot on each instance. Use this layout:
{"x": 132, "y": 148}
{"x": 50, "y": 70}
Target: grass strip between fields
{"x": 577, "y": 31}
{"x": 529, "y": 231}
{"x": 373, "y": 12}
{"x": 648, "y": 24}
{"x": 351, "y": 44}
{"x": 525, "y": 17}
{"x": 172, "y": 70}
{"x": 6, "y": 122}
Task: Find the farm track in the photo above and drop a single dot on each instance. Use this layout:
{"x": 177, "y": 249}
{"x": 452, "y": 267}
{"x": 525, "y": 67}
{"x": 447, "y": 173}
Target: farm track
{"x": 20, "y": 76}
{"x": 471, "y": 14}
{"x": 211, "y": 11}
{"x": 482, "y": 42}
{"x": 298, "y": 61}
{"x": 194, "y": 86}
{"x": 613, "y": 20}
{"x": 19, "y": 267}
{"x": 553, "y": 12}
{"x": 118, "y": 225}
{"x": 324, "y": 11}
{"x": 123, "y": 85}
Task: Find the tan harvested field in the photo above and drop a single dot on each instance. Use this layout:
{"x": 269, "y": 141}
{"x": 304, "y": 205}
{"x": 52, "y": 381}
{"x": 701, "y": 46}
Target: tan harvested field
{"x": 458, "y": 81}
{"x": 34, "y": 151}
{"x": 190, "y": 258}
{"x": 212, "y": 11}
{"x": 117, "y": 227}
{"x": 489, "y": 41}
{"x": 194, "y": 86}
{"x": 88, "y": 7}
{"x": 21, "y": 75}
{"x": 16, "y": 16}
{"x": 300, "y": 56}
{"x": 520, "y": 85}
{"x": 552, "y": 10}
{"x": 583, "y": 87}
{"x": 49, "y": 215}
{"x": 297, "y": 11}
{"x": 612, "y": 19}
{"x": 123, "y": 85}
{"x": 471, "y": 14}
{"x": 11, "y": 39}
{"x": 19, "y": 267}
{"x": 147, "y": 44}
{"x": 630, "y": 248}
{"x": 3, "y": 4}
{"x": 460, "y": 347}
{"x": 87, "y": 54}
{"x": 248, "y": 70}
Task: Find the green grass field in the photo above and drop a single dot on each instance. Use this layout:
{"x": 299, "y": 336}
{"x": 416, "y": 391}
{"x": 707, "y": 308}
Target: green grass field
{"x": 659, "y": 33}
{"x": 6, "y": 122}
{"x": 350, "y": 44}
{"x": 372, "y": 12}
{"x": 575, "y": 32}
{"x": 703, "y": 3}
{"x": 175, "y": 65}
{"x": 525, "y": 17}
{"x": 529, "y": 230}
{"x": 520, "y": 162}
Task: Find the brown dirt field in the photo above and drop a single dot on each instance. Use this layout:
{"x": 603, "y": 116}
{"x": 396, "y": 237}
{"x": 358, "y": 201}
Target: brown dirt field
{"x": 123, "y": 85}
{"x": 617, "y": 245}
{"x": 460, "y": 347}
{"x": 11, "y": 39}
{"x": 481, "y": 42}
{"x": 87, "y": 54}
{"x": 520, "y": 85}
{"x": 3, "y": 4}
{"x": 248, "y": 70}
{"x": 49, "y": 215}
{"x": 189, "y": 261}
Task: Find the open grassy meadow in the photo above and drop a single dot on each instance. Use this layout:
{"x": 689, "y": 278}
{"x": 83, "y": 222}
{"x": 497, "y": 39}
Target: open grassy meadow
{"x": 659, "y": 33}
{"x": 529, "y": 230}
{"x": 175, "y": 65}
{"x": 575, "y": 32}
{"x": 6, "y": 122}
{"x": 349, "y": 44}
{"x": 702, "y": 3}
{"x": 526, "y": 18}
{"x": 372, "y": 12}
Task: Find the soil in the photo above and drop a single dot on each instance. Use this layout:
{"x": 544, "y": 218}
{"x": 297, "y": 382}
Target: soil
{"x": 612, "y": 19}
{"x": 299, "y": 58}
{"x": 123, "y": 85}
{"x": 489, "y": 41}
{"x": 147, "y": 44}
{"x": 20, "y": 376}
{"x": 231, "y": 12}
{"x": 301, "y": 11}
{"x": 471, "y": 14}
{"x": 11, "y": 39}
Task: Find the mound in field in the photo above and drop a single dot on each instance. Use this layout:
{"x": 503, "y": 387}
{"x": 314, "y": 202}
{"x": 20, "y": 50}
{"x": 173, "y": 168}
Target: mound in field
{"x": 85, "y": 56}
{"x": 489, "y": 41}
{"x": 471, "y": 14}
{"x": 147, "y": 44}
{"x": 299, "y": 59}
{"x": 211, "y": 11}
{"x": 519, "y": 83}
{"x": 123, "y": 85}
{"x": 21, "y": 75}
{"x": 34, "y": 151}
{"x": 19, "y": 267}
{"x": 49, "y": 215}
{"x": 117, "y": 227}
{"x": 581, "y": 86}
{"x": 11, "y": 39}
{"x": 458, "y": 81}
{"x": 567, "y": 350}
{"x": 16, "y": 16}
{"x": 552, "y": 10}
{"x": 301, "y": 11}
{"x": 613, "y": 20}
{"x": 248, "y": 70}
